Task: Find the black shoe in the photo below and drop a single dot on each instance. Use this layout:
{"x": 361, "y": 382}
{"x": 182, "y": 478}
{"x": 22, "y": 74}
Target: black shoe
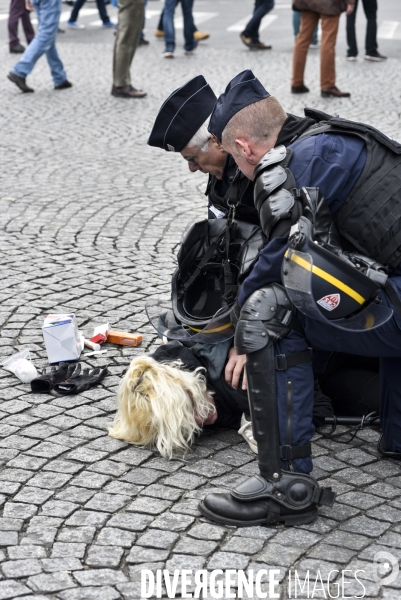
{"x": 143, "y": 42}
{"x": 299, "y": 89}
{"x": 59, "y": 30}
{"x": 259, "y": 46}
{"x": 385, "y": 452}
{"x": 18, "y": 49}
{"x": 375, "y": 57}
{"x": 19, "y": 82}
{"x": 224, "y": 509}
{"x": 63, "y": 86}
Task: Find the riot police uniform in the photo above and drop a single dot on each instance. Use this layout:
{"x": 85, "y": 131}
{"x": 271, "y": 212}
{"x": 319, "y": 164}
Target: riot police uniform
{"x": 345, "y": 178}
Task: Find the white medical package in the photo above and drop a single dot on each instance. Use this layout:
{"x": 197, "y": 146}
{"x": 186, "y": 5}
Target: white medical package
{"x": 62, "y": 338}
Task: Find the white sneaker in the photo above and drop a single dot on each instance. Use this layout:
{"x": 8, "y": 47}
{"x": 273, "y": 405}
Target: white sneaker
{"x": 168, "y": 55}
{"x": 75, "y": 25}
{"x": 314, "y": 46}
{"x": 246, "y": 432}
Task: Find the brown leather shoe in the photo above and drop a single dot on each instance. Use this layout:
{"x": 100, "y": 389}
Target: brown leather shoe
{"x": 127, "y": 91}
{"x": 334, "y": 92}
{"x": 299, "y": 89}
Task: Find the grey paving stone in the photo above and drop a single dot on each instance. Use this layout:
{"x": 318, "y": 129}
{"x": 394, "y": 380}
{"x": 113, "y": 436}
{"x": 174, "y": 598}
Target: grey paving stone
{"x": 121, "y": 487}
{"x": 63, "y": 466}
{"x": 58, "y": 508}
{"x": 8, "y": 538}
{"x": 110, "y": 503}
{"x": 104, "y": 556}
{"x": 142, "y": 476}
{"x": 87, "y": 517}
{"x": 9, "y": 488}
{"x": 33, "y": 495}
{"x": 76, "y": 534}
{"x": 50, "y": 481}
{"x": 41, "y": 537}
{"x": 208, "y": 468}
{"x": 23, "y": 552}
{"x": 280, "y": 555}
{"x": 55, "y": 565}
{"x": 355, "y": 476}
{"x": 20, "y": 475}
{"x": 27, "y": 462}
{"x": 297, "y": 537}
{"x": 9, "y": 524}
{"x": 228, "y": 560}
{"x": 158, "y": 539}
{"x": 133, "y": 456}
{"x": 90, "y": 593}
{"x": 131, "y": 522}
{"x": 93, "y": 481}
{"x": 173, "y": 522}
{"x": 185, "y": 481}
{"x": 109, "y": 467}
{"x": 144, "y": 555}
{"x": 186, "y": 507}
{"x": 47, "y": 450}
{"x": 383, "y": 490}
{"x": 184, "y": 561}
{"x": 112, "y": 536}
{"x": 21, "y": 568}
{"x": 150, "y": 506}
{"x": 75, "y": 494}
{"x": 205, "y": 531}
{"x": 100, "y": 577}
{"x": 50, "y": 582}
{"x": 162, "y": 491}
{"x": 347, "y": 540}
{"x": 68, "y": 549}
{"x": 12, "y": 589}
{"x": 196, "y": 547}
{"x": 243, "y": 545}
{"x": 359, "y": 500}
{"x": 385, "y": 513}
{"x": 365, "y": 526}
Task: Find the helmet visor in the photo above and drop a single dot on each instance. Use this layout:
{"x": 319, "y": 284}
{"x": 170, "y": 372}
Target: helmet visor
{"x": 297, "y": 278}
{"x": 160, "y": 315}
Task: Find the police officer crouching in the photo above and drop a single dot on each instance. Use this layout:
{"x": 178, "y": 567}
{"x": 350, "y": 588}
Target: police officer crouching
{"x": 330, "y": 206}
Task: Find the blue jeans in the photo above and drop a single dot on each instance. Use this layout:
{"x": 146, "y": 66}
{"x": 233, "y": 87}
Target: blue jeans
{"x": 296, "y": 23}
{"x": 101, "y": 6}
{"x": 168, "y": 24}
{"x": 262, "y": 7}
{"x": 370, "y": 8}
{"x": 48, "y": 12}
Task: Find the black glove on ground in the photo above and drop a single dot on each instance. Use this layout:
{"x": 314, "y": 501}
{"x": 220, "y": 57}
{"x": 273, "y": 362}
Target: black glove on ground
{"x": 46, "y": 382}
{"x": 77, "y": 382}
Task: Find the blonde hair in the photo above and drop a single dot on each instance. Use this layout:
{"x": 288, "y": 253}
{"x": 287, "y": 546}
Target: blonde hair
{"x": 157, "y": 403}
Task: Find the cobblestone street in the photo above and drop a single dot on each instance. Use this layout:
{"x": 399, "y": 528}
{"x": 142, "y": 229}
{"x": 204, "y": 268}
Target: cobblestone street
{"x": 91, "y": 220}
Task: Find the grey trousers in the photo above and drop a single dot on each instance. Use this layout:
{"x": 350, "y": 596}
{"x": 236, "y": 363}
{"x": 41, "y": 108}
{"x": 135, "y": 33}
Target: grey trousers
{"x": 130, "y": 23}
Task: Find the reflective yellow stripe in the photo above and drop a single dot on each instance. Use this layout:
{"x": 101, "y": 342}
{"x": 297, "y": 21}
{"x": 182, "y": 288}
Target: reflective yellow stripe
{"x": 212, "y": 330}
{"x": 327, "y": 277}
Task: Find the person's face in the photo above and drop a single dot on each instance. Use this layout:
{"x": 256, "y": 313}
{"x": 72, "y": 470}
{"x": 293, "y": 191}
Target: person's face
{"x": 211, "y": 161}
{"x": 246, "y": 155}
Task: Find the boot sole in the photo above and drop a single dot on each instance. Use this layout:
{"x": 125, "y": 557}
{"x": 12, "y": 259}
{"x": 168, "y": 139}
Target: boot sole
{"x": 288, "y": 520}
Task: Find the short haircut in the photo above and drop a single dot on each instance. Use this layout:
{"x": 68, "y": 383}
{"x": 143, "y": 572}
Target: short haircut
{"x": 260, "y": 122}
{"x": 201, "y": 137}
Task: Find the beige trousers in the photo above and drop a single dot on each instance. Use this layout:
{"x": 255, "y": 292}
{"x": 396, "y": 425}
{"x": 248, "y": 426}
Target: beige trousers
{"x": 130, "y": 23}
{"x": 309, "y": 21}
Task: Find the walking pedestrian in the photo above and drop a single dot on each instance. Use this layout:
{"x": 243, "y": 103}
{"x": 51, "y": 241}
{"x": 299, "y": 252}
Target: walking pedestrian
{"x": 169, "y": 32}
{"x": 328, "y": 11}
{"x": 130, "y": 22}
{"x": 19, "y": 11}
{"x": 48, "y": 13}
{"x": 101, "y": 6}
{"x": 199, "y": 36}
{"x": 250, "y": 35}
{"x": 371, "y": 52}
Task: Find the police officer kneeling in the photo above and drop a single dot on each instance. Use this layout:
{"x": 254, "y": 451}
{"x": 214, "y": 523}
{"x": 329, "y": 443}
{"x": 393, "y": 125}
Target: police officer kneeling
{"x": 329, "y": 277}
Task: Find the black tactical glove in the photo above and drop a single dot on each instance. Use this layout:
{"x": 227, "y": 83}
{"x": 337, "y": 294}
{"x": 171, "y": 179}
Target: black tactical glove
{"x": 46, "y": 382}
{"x": 77, "y": 382}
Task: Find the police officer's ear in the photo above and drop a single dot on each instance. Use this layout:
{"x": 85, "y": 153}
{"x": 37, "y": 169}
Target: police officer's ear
{"x": 244, "y": 149}
{"x": 217, "y": 144}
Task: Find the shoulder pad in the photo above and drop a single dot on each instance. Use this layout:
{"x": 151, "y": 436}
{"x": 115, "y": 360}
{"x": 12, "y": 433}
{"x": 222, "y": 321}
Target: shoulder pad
{"x": 273, "y": 156}
{"x": 267, "y": 182}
